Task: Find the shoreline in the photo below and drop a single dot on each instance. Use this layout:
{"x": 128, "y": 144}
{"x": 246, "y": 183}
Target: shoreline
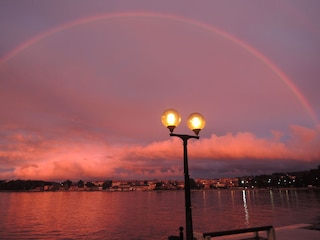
{"x": 168, "y": 190}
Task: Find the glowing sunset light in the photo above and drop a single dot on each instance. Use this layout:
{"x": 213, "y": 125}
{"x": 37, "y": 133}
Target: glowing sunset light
{"x": 81, "y": 94}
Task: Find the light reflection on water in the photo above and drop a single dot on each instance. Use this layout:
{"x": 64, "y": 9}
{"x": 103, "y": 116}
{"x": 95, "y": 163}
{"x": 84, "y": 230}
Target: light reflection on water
{"x": 148, "y": 215}
{"x": 244, "y": 198}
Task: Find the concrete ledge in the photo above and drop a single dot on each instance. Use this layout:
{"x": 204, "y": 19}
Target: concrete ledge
{"x": 290, "y": 232}
{"x": 297, "y": 232}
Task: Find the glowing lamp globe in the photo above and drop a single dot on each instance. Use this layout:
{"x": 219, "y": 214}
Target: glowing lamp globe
{"x": 196, "y": 122}
{"x": 171, "y": 119}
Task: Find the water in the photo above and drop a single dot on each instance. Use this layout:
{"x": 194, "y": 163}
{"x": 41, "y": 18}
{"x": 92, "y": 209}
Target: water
{"x": 148, "y": 215}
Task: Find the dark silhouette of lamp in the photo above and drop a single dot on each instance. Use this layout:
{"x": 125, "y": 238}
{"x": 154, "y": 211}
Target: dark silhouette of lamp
{"x": 196, "y": 122}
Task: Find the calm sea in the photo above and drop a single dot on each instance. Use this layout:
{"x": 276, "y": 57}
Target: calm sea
{"x": 148, "y": 215}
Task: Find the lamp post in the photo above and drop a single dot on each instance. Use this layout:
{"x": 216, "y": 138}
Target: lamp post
{"x": 171, "y": 119}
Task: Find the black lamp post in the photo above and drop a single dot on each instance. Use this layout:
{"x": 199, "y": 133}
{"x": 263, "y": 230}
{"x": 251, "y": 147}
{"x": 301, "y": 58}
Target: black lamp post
{"x": 171, "y": 119}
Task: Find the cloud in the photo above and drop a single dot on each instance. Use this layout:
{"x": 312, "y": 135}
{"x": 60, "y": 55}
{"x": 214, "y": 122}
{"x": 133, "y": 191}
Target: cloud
{"x": 33, "y": 156}
{"x": 301, "y": 144}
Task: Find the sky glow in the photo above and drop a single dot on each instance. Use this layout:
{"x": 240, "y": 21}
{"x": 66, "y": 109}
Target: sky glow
{"x": 83, "y": 86}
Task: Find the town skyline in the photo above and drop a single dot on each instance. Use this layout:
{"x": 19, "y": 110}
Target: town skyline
{"x": 302, "y": 179}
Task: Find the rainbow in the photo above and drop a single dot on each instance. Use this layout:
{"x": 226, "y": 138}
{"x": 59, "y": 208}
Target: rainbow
{"x": 302, "y": 99}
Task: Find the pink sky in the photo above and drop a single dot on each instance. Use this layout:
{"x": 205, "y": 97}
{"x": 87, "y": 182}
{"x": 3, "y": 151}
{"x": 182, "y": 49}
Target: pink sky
{"x": 83, "y": 86}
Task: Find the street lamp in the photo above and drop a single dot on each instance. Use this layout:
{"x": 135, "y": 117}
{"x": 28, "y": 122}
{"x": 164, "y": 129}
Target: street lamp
{"x": 171, "y": 119}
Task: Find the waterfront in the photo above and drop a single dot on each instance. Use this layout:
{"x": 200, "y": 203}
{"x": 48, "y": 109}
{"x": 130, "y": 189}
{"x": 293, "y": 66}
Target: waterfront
{"x": 148, "y": 215}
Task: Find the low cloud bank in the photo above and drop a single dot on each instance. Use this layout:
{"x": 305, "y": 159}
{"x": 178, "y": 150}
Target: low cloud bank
{"x": 33, "y": 156}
